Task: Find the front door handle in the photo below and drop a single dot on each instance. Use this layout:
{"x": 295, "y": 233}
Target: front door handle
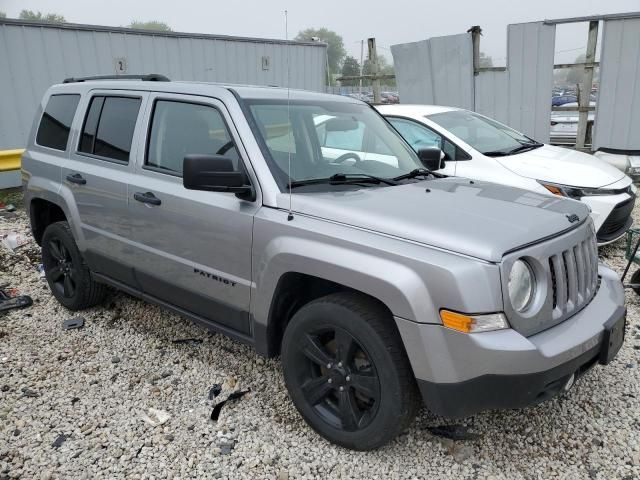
{"x": 76, "y": 178}
{"x": 147, "y": 197}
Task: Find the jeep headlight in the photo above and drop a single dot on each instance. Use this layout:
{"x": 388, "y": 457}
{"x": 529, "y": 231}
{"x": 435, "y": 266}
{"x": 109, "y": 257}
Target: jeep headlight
{"x": 522, "y": 285}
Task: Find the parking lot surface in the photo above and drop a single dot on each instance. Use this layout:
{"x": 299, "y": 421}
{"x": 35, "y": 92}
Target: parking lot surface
{"x": 73, "y": 402}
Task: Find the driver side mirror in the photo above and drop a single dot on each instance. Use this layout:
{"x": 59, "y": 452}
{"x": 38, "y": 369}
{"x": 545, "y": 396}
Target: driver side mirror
{"x": 215, "y": 173}
{"x": 432, "y": 158}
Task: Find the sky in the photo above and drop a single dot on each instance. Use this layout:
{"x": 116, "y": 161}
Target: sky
{"x": 391, "y": 22}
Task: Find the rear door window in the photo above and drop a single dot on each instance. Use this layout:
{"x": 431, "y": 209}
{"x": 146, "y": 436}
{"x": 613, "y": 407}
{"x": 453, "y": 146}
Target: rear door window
{"x": 55, "y": 124}
{"x": 109, "y": 126}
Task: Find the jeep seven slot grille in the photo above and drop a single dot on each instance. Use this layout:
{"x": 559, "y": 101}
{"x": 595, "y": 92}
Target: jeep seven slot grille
{"x": 574, "y": 277}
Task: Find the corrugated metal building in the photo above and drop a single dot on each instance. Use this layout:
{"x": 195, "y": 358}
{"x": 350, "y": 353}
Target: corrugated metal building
{"x": 35, "y": 55}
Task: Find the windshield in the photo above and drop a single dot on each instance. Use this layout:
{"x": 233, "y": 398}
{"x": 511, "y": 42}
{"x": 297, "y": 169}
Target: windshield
{"x": 328, "y": 138}
{"x": 483, "y": 134}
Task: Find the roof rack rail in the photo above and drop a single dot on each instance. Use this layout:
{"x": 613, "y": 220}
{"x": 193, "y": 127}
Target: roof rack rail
{"x": 150, "y": 77}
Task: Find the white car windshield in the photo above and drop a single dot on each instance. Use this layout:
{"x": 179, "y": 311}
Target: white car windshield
{"x": 327, "y": 138}
{"x": 485, "y": 135}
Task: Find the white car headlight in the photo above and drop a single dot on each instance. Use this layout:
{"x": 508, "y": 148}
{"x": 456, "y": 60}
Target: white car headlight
{"x": 522, "y": 285}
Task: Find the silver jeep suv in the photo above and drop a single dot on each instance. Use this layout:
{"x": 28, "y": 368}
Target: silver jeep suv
{"x": 304, "y": 225}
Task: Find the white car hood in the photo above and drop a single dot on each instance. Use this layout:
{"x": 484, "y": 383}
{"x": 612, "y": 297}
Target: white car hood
{"x": 563, "y": 166}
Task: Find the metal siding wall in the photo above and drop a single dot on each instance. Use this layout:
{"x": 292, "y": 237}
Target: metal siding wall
{"x": 412, "y": 62}
{"x": 491, "y": 95}
{"x": 530, "y": 56}
{"x": 617, "y": 122}
{"x": 437, "y": 71}
{"x": 440, "y": 71}
{"x": 452, "y": 70}
{"x": 35, "y": 57}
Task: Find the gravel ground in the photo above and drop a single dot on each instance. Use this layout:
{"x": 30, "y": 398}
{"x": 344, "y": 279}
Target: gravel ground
{"x": 71, "y": 405}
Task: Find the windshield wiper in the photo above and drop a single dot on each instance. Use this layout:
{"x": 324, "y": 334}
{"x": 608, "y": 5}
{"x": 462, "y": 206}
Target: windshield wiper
{"x": 418, "y": 172}
{"x": 342, "y": 179}
{"x": 522, "y": 148}
{"x": 526, "y": 146}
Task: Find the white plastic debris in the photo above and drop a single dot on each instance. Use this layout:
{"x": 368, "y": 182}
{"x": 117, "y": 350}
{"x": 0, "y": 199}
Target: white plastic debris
{"x": 13, "y": 240}
{"x": 155, "y": 417}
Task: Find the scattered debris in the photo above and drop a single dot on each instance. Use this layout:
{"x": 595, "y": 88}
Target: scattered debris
{"x": 215, "y": 414}
{"x": 74, "y": 400}
{"x": 226, "y": 446}
{"x": 40, "y": 269}
{"x": 188, "y": 341}
{"x": 73, "y": 323}
{"x": 155, "y": 417}
{"x": 9, "y": 207}
{"x": 115, "y": 359}
{"x": 59, "y": 441}
{"x": 215, "y": 391}
{"x": 27, "y": 392}
{"x": 454, "y": 432}
{"x": 461, "y": 452}
{"x": 13, "y": 240}
{"x": 11, "y": 299}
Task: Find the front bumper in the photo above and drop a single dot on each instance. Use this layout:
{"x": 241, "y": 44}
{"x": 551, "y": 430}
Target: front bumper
{"x": 461, "y": 374}
{"x": 611, "y": 215}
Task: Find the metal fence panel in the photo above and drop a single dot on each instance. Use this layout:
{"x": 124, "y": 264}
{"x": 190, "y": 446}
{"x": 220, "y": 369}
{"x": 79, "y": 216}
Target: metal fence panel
{"x": 440, "y": 71}
{"x": 617, "y": 122}
{"x": 412, "y": 63}
{"x": 491, "y": 97}
{"x": 437, "y": 71}
{"x": 34, "y": 56}
{"x": 530, "y": 56}
{"x": 452, "y": 70}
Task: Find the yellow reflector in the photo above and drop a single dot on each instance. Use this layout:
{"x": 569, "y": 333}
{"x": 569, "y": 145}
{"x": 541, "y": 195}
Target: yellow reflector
{"x": 457, "y": 321}
{"x": 554, "y": 190}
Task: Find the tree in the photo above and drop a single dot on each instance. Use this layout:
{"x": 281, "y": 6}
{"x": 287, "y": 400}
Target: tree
{"x": 575, "y": 73}
{"x": 335, "y": 45}
{"x": 152, "y": 25}
{"x": 350, "y": 68}
{"x": 3, "y": 15}
{"x": 42, "y": 17}
{"x": 485, "y": 60}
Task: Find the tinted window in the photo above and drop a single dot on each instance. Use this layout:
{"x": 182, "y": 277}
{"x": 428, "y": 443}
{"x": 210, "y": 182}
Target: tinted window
{"x": 91, "y": 125}
{"x": 56, "y": 121}
{"x": 108, "y": 127}
{"x": 179, "y": 129}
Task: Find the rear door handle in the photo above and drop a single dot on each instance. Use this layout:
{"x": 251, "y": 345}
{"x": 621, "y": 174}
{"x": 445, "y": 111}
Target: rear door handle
{"x": 76, "y": 178}
{"x": 147, "y": 197}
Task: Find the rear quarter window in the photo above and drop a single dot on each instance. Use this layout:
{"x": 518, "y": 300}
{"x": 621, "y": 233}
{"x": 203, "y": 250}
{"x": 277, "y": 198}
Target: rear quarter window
{"x": 55, "y": 124}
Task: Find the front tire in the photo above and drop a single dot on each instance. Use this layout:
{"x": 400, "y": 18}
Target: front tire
{"x": 347, "y": 372}
{"x": 66, "y": 272}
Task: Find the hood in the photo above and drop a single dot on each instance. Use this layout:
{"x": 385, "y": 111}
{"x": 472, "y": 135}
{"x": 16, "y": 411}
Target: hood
{"x": 563, "y": 166}
{"x": 480, "y": 219}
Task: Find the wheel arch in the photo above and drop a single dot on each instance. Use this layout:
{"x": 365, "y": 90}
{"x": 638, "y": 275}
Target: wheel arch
{"x": 281, "y": 291}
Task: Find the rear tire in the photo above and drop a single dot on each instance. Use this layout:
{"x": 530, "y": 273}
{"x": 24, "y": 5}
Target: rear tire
{"x": 635, "y": 279}
{"x": 66, "y": 271}
{"x": 347, "y": 371}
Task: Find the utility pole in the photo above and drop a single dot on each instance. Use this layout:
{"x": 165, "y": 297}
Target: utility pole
{"x": 584, "y": 89}
{"x": 375, "y": 76}
{"x": 475, "y": 32}
{"x": 361, "y": 63}
{"x": 375, "y": 68}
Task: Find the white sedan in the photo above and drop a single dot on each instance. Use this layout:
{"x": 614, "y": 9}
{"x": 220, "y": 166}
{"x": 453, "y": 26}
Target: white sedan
{"x": 478, "y": 147}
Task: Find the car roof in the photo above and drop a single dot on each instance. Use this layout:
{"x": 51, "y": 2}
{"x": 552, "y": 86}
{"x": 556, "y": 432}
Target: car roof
{"x": 202, "y": 88}
{"x": 413, "y": 110}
